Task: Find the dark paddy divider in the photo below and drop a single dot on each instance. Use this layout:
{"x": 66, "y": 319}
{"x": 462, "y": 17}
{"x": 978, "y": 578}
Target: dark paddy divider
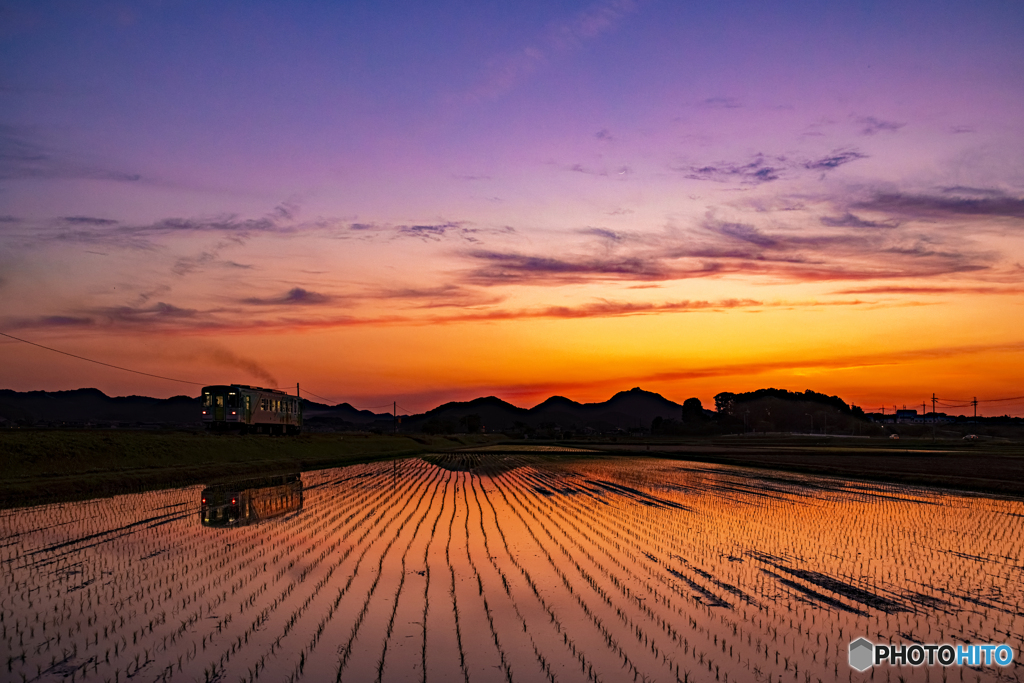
{"x": 44, "y": 466}
{"x": 987, "y": 468}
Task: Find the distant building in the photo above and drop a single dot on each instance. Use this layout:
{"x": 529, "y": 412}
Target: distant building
{"x": 906, "y": 415}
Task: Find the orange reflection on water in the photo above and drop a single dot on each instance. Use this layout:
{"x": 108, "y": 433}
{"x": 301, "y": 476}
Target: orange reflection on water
{"x": 514, "y": 566}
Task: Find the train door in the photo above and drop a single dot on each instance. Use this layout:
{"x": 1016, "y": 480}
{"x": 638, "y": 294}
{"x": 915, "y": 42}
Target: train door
{"x": 218, "y": 407}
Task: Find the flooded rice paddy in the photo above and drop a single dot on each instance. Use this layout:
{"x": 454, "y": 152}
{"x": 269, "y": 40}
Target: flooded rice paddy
{"x": 522, "y": 567}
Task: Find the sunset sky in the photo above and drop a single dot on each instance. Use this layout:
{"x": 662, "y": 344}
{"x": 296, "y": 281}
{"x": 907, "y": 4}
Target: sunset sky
{"x": 426, "y": 202}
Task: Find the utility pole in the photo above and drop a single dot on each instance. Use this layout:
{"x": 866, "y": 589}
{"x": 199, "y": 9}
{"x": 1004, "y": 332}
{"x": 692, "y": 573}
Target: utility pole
{"x": 975, "y": 402}
{"x": 934, "y": 417}
{"x": 394, "y": 417}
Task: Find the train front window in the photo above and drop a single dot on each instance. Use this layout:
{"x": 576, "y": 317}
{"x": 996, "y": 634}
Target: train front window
{"x": 232, "y": 400}
{"x": 207, "y": 400}
{"x": 220, "y": 401}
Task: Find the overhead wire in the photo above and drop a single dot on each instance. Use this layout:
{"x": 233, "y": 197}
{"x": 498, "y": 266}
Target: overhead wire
{"x": 97, "y": 362}
{"x": 324, "y": 398}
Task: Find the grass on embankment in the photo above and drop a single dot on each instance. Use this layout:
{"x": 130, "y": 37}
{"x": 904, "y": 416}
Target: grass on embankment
{"x": 41, "y": 466}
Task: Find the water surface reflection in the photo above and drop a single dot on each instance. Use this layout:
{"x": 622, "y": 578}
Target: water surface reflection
{"x": 249, "y": 501}
{"x": 508, "y": 567}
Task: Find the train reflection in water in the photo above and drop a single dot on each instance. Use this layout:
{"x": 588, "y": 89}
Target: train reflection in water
{"x": 250, "y": 500}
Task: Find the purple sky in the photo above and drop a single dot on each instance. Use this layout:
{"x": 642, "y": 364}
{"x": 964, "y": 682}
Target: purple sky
{"x": 215, "y": 171}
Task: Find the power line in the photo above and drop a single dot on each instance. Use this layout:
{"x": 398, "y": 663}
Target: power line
{"x": 324, "y": 398}
{"x": 116, "y": 367}
{"x": 967, "y": 402}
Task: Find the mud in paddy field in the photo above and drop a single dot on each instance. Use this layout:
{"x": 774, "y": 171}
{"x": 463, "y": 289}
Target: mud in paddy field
{"x": 508, "y": 567}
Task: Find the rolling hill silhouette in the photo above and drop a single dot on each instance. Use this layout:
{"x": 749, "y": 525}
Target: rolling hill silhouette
{"x": 91, "y": 407}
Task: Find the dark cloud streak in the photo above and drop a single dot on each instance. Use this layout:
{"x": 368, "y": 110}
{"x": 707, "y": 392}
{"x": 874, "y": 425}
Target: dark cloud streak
{"x": 872, "y": 126}
{"x": 930, "y": 206}
{"x": 296, "y": 296}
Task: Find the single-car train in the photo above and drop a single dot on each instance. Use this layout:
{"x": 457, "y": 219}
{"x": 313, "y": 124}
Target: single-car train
{"x": 252, "y": 410}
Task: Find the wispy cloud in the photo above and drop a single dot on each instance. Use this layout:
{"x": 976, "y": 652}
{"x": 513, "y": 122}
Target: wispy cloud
{"x": 23, "y": 156}
{"x": 88, "y": 220}
{"x": 49, "y": 321}
{"x": 851, "y": 248}
{"x": 944, "y": 206}
{"x": 157, "y": 315}
{"x": 617, "y": 172}
{"x": 435, "y": 232}
{"x": 720, "y": 103}
{"x": 296, "y": 296}
{"x": 759, "y": 170}
{"x": 872, "y": 126}
{"x": 848, "y": 220}
{"x": 834, "y": 160}
{"x": 442, "y": 296}
{"x": 512, "y": 267}
{"x": 762, "y": 168}
{"x": 603, "y": 233}
{"x": 890, "y": 358}
{"x": 743, "y": 233}
{"x": 144, "y": 314}
{"x": 505, "y": 72}
{"x": 928, "y": 290}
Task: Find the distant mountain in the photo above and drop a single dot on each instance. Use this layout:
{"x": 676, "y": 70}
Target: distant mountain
{"x": 631, "y": 409}
{"x": 85, "y": 407}
{"x": 92, "y": 406}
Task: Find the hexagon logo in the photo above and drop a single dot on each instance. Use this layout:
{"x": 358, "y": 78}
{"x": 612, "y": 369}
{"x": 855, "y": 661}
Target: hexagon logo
{"x": 862, "y": 654}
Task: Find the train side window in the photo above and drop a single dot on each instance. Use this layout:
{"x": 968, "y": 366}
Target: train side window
{"x": 248, "y": 404}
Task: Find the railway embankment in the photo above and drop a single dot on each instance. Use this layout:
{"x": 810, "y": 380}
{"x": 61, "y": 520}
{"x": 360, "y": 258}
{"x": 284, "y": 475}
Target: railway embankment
{"x": 45, "y": 466}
